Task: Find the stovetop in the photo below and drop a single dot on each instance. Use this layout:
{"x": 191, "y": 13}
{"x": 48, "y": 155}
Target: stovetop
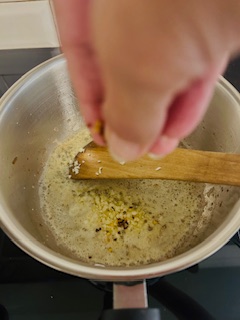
{"x": 30, "y": 290}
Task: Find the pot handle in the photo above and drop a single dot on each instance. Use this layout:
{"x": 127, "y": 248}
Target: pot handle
{"x": 131, "y": 314}
{"x": 130, "y": 303}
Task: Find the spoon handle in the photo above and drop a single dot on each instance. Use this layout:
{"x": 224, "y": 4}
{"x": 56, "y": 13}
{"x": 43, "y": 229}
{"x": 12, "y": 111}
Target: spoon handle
{"x": 183, "y": 164}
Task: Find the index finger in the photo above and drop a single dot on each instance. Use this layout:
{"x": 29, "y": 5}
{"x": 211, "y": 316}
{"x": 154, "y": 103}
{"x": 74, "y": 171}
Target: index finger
{"x": 74, "y": 29}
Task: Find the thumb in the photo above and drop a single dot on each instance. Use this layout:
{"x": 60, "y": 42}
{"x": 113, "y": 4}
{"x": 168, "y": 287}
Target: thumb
{"x": 134, "y": 118}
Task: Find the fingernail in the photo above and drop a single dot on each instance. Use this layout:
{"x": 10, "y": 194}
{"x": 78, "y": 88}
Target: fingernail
{"x": 168, "y": 145}
{"x": 98, "y": 139}
{"x": 164, "y": 146}
{"x": 169, "y": 142}
{"x": 120, "y": 149}
{"x": 155, "y": 156}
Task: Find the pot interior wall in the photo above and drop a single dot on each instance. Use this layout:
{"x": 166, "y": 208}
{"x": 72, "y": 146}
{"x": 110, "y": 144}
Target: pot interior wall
{"x": 38, "y": 113}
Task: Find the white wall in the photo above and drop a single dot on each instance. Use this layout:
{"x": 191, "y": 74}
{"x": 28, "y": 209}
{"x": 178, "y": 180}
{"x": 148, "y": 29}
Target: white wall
{"x": 27, "y": 24}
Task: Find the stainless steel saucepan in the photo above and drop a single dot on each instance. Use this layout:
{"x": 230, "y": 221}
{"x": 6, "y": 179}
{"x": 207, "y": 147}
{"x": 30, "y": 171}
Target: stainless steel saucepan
{"x": 40, "y": 109}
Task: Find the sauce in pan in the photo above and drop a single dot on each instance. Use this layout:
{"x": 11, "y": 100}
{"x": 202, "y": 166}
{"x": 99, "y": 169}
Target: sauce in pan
{"x": 120, "y": 223}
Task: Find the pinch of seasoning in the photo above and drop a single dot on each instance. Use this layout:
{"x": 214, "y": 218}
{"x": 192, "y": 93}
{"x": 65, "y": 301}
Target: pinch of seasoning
{"x": 110, "y": 249}
{"x": 158, "y": 168}
{"x": 122, "y": 223}
{"x": 99, "y": 171}
{"x": 75, "y": 167}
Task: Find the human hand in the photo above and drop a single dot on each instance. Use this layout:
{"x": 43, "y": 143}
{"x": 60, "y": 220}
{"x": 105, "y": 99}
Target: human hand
{"x": 147, "y": 69}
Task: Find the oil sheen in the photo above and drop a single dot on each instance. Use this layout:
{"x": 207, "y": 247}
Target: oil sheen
{"x": 119, "y": 223}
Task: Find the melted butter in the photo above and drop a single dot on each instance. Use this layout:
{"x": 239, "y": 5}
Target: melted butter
{"x": 120, "y": 223}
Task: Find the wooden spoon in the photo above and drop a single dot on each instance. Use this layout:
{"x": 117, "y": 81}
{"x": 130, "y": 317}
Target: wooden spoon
{"x": 95, "y": 162}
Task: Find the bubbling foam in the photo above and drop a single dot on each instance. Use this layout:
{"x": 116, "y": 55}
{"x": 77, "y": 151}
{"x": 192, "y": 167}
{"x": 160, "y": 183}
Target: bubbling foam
{"x": 120, "y": 223}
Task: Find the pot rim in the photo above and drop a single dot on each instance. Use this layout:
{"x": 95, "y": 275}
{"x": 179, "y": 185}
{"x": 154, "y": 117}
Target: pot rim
{"x": 47, "y": 256}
